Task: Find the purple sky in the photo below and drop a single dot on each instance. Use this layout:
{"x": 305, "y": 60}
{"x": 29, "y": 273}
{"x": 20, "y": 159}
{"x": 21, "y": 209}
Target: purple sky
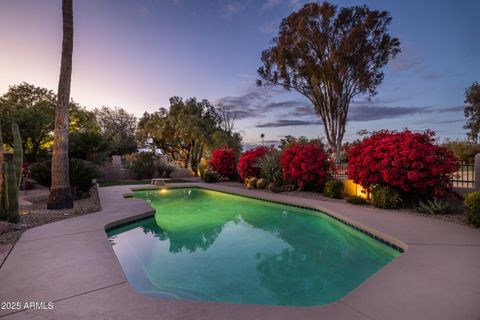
{"x": 137, "y": 54}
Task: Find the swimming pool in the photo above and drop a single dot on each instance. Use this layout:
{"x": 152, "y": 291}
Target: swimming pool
{"x": 208, "y": 245}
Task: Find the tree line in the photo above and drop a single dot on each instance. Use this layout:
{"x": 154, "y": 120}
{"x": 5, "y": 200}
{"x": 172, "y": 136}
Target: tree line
{"x": 104, "y": 129}
{"x": 185, "y": 131}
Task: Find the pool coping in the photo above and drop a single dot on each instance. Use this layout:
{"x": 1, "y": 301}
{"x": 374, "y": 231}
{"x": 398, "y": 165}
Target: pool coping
{"x": 72, "y": 263}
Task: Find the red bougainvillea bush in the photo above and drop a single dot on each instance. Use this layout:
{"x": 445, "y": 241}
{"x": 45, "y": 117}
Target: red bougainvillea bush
{"x": 411, "y": 162}
{"x": 306, "y": 165}
{"x": 247, "y": 160}
{"x": 224, "y": 162}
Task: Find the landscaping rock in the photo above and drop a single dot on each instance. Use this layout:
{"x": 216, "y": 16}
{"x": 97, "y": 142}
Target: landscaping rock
{"x": 4, "y": 227}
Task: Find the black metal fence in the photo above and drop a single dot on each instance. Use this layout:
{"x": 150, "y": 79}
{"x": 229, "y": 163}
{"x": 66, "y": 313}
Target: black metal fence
{"x": 340, "y": 171}
{"x": 463, "y": 178}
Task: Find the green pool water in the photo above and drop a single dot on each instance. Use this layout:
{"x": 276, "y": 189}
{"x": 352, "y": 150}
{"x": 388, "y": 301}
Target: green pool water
{"x": 207, "y": 245}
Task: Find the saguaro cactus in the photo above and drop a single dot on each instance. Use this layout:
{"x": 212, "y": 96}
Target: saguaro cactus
{"x": 11, "y": 191}
{"x": 11, "y": 174}
{"x": 3, "y": 213}
{"x": 17, "y": 153}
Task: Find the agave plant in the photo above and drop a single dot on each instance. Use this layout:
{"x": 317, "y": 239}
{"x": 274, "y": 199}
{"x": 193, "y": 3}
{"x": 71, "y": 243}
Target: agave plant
{"x": 435, "y": 206}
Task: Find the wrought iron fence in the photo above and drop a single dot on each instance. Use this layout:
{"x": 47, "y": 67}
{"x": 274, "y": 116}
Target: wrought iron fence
{"x": 340, "y": 171}
{"x": 463, "y": 178}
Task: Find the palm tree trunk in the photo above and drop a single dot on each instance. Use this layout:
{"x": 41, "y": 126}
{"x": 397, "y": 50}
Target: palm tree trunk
{"x": 60, "y": 191}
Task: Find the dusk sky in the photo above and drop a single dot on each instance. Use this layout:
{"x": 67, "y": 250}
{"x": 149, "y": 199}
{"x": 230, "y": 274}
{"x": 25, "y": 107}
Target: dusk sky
{"x": 137, "y": 54}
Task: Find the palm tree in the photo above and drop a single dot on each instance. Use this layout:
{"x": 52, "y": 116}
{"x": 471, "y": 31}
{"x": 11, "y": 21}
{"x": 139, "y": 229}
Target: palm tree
{"x": 60, "y": 192}
{"x": 262, "y": 136}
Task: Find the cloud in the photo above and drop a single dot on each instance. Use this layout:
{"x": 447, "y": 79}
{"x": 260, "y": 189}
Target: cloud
{"x": 303, "y": 110}
{"x": 450, "y": 121}
{"x": 283, "y": 104}
{"x": 247, "y": 105}
{"x": 288, "y": 123}
{"x": 230, "y": 9}
{"x": 256, "y": 102}
{"x": 360, "y": 113}
{"x": 371, "y": 112}
{"x": 259, "y": 102}
{"x": 432, "y": 75}
{"x": 453, "y": 109}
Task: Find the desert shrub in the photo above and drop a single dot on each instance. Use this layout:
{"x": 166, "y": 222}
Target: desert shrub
{"x": 334, "y": 189}
{"x": 274, "y": 188}
{"x": 224, "y": 162}
{"x": 245, "y": 167}
{"x": 305, "y": 165}
{"x": 82, "y": 174}
{"x": 356, "y": 200}
{"x": 160, "y": 167}
{"x": 251, "y": 183}
{"x": 386, "y": 197}
{"x": 42, "y": 173}
{"x": 261, "y": 183}
{"x": 210, "y": 176}
{"x": 165, "y": 169}
{"x": 270, "y": 168}
{"x": 434, "y": 206}
{"x": 169, "y": 169}
{"x": 472, "y": 208}
{"x": 408, "y": 161}
{"x": 142, "y": 164}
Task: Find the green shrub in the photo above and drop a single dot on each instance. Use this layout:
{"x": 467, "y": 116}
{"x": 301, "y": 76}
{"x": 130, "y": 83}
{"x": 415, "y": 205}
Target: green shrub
{"x": 435, "y": 206}
{"x": 42, "y": 173}
{"x": 251, "y": 183}
{"x": 270, "y": 168}
{"x": 160, "y": 169}
{"x": 472, "y": 208}
{"x": 89, "y": 145}
{"x": 169, "y": 169}
{"x": 334, "y": 189}
{"x": 386, "y": 197}
{"x": 356, "y": 200}
{"x": 210, "y": 176}
{"x": 165, "y": 170}
{"x": 261, "y": 183}
{"x": 142, "y": 164}
{"x": 274, "y": 188}
{"x": 82, "y": 174}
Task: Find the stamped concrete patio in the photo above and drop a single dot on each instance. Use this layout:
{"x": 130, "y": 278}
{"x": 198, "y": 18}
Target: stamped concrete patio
{"x": 72, "y": 264}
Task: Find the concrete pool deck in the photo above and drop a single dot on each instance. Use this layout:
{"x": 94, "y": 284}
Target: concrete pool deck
{"x": 72, "y": 264}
